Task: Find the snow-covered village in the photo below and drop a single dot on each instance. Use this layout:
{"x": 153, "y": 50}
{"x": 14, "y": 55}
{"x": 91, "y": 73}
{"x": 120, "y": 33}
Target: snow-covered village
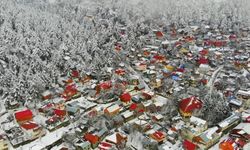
{"x": 124, "y": 75}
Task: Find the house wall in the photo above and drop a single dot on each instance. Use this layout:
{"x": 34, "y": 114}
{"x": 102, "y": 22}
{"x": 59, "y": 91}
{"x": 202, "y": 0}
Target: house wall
{"x": 225, "y": 129}
{"x": 210, "y": 143}
{"x": 111, "y": 114}
{"x": 187, "y": 133}
{"x": 33, "y": 134}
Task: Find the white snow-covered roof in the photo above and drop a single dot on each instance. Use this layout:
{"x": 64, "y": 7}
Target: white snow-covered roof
{"x": 44, "y": 141}
{"x": 112, "y": 138}
{"x": 141, "y": 122}
{"x": 197, "y": 120}
{"x": 127, "y": 114}
{"x": 152, "y": 47}
{"x": 158, "y": 80}
{"x": 121, "y": 64}
{"x": 168, "y": 146}
{"x": 80, "y": 99}
{"x": 165, "y": 42}
{"x": 217, "y": 53}
{"x": 244, "y": 126}
{"x": 245, "y": 115}
{"x": 235, "y": 102}
{"x": 209, "y": 133}
{"x": 207, "y": 26}
{"x": 46, "y": 93}
{"x": 158, "y": 104}
{"x": 109, "y": 69}
{"x": 151, "y": 67}
{"x": 113, "y": 108}
{"x": 143, "y": 117}
{"x": 241, "y": 92}
{"x": 134, "y": 77}
{"x": 161, "y": 99}
{"x": 66, "y": 57}
{"x": 58, "y": 147}
{"x": 150, "y": 72}
{"x": 149, "y": 92}
{"x": 57, "y": 100}
{"x": 146, "y": 104}
{"x": 158, "y": 116}
{"x": 229, "y": 120}
{"x": 194, "y": 27}
{"x": 151, "y": 131}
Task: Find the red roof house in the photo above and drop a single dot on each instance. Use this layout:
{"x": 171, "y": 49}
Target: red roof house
{"x": 29, "y": 125}
{"x": 159, "y": 34}
{"x": 228, "y": 144}
{"x": 189, "y": 38}
{"x": 147, "y": 95}
{"x": 120, "y": 72}
{"x": 46, "y": 107}
{"x": 202, "y": 60}
{"x": 118, "y": 47}
{"x": 188, "y": 105}
{"x": 158, "y": 136}
{"x": 141, "y": 111}
{"x": 23, "y": 116}
{"x": 158, "y": 57}
{"x": 69, "y": 92}
{"x": 177, "y": 44}
{"x": 219, "y": 43}
{"x": 232, "y": 37}
{"x": 93, "y": 139}
{"x": 105, "y": 85}
{"x": 204, "y": 52}
{"x": 204, "y": 81}
{"x": 146, "y": 53}
{"x": 46, "y": 95}
{"x": 60, "y": 113}
{"x": 208, "y": 43}
{"x": 75, "y": 74}
{"x": 188, "y": 145}
{"x": 125, "y": 97}
{"x": 133, "y": 106}
{"x": 68, "y": 81}
{"x": 104, "y": 146}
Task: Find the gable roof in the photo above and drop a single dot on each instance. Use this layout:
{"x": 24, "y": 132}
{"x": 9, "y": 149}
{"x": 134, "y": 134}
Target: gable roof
{"x": 29, "y": 125}
{"x": 189, "y": 104}
{"x": 93, "y": 139}
{"x": 125, "y": 97}
{"x": 188, "y": 145}
{"x": 23, "y": 115}
{"x": 116, "y": 138}
{"x": 60, "y": 113}
{"x": 133, "y": 106}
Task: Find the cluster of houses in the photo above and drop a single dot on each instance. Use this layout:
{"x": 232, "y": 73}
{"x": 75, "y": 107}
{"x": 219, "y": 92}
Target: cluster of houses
{"x": 87, "y": 110}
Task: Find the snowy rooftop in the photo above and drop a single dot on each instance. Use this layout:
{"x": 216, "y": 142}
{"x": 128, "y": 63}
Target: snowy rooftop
{"x": 112, "y": 138}
{"x": 209, "y": 133}
{"x": 158, "y": 116}
{"x": 158, "y": 104}
{"x": 127, "y": 114}
{"x": 197, "y": 120}
{"x": 246, "y": 93}
{"x": 44, "y": 141}
{"x": 141, "y": 122}
{"x": 229, "y": 120}
{"x": 113, "y": 108}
